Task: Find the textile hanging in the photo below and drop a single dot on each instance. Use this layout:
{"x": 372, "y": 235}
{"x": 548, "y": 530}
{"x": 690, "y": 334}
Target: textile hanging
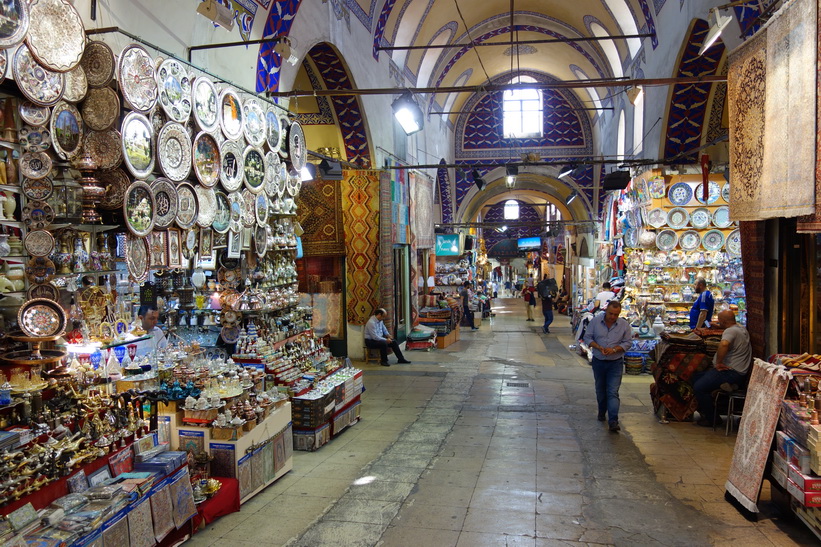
{"x": 812, "y": 223}
{"x": 753, "y": 263}
{"x": 386, "y": 234}
{"x": 320, "y": 214}
{"x": 421, "y": 210}
{"x": 768, "y": 385}
{"x": 360, "y": 206}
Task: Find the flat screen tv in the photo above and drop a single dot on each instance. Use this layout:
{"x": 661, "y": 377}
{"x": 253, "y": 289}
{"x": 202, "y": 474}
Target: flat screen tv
{"x": 529, "y": 243}
{"x": 448, "y": 245}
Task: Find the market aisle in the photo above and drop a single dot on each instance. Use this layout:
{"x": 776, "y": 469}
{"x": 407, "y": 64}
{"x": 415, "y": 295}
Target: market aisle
{"x": 494, "y": 441}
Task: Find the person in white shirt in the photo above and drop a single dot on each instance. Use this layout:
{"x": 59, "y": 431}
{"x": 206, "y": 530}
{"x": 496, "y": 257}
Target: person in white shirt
{"x": 378, "y": 337}
{"x": 605, "y": 296}
{"x": 148, "y": 315}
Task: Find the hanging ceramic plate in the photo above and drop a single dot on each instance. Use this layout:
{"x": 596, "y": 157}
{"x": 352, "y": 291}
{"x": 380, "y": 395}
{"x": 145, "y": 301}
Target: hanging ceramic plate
{"x": 15, "y": 14}
{"x": 66, "y": 129}
{"x": 713, "y": 240}
{"x": 631, "y": 238}
{"x": 261, "y": 241}
{"x": 721, "y": 217}
{"x": 40, "y": 318}
{"x": 137, "y": 78}
{"x": 189, "y": 245}
{"x": 261, "y": 206}
{"x": 284, "y": 122}
{"x": 46, "y": 290}
{"x": 139, "y": 209}
{"x": 725, "y": 192}
{"x": 165, "y": 199}
{"x": 222, "y": 216}
{"x": 237, "y": 203}
{"x": 666, "y": 240}
{"x": 282, "y": 180}
{"x": 4, "y": 64}
{"x": 174, "y": 151}
{"x": 677, "y": 218}
{"x": 230, "y": 335}
{"x": 249, "y": 217}
{"x": 733, "y": 243}
{"x": 39, "y": 243}
{"x": 35, "y": 139}
{"x": 207, "y": 203}
{"x": 272, "y": 163}
{"x": 700, "y": 218}
{"x": 158, "y": 119}
{"x": 105, "y": 148}
{"x": 116, "y": 182}
{"x": 231, "y": 119}
{"x": 98, "y": 63}
{"x": 689, "y": 240}
{"x": 136, "y": 257}
{"x": 35, "y": 165}
{"x": 175, "y": 90}
{"x": 37, "y": 215}
{"x": 101, "y": 109}
{"x": 56, "y": 35}
{"x": 40, "y": 270}
{"x": 297, "y": 149}
{"x": 256, "y": 126}
{"x": 656, "y": 186}
{"x": 680, "y": 194}
{"x": 205, "y": 99}
{"x": 138, "y": 144}
{"x": 40, "y": 86}
{"x": 656, "y": 218}
{"x": 232, "y": 167}
{"x": 37, "y": 189}
{"x": 207, "y": 159}
{"x": 253, "y": 163}
{"x": 187, "y": 208}
{"x": 272, "y": 132}
{"x": 76, "y": 85}
{"x": 712, "y": 196}
{"x": 33, "y": 114}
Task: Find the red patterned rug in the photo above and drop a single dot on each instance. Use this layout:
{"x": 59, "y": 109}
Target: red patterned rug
{"x": 360, "y": 205}
{"x": 320, "y": 214}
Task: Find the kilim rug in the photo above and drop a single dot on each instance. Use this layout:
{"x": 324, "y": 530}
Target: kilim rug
{"x": 386, "y": 288}
{"x": 320, "y": 214}
{"x": 767, "y": 387}
{"x": 787, "y": 186}
{"x": 360, "y": 206}
{"x": 812, "y": 223}
{"x": 421, "y": 210}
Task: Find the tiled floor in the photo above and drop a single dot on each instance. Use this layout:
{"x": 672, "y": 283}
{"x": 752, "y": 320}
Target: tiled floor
{"x": 494, "y": 441}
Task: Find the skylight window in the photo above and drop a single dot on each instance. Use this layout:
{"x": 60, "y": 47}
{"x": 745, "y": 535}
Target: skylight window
{"x": 511, "y": 209}
{"x": 522, "y": 110}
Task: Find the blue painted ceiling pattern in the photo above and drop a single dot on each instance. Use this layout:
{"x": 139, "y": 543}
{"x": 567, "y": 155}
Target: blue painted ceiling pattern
{"x": 379, "y": 31}
{"x": 365, "y": 18}
{"x": 443, "y": 181}
{"x": 324, "y": 117}
{"x": 279, "y": 22}
{"x": 496, "y": 213}
{"x": 648, "y": 19}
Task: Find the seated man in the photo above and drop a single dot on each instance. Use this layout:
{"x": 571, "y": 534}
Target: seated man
{"x": 147, "y": 317}
{"x": 377, "y": 336}
{"x": 730, "y": 365}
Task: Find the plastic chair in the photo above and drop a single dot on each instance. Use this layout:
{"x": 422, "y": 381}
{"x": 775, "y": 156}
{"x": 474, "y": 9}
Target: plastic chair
{"x": 735, "y": 406}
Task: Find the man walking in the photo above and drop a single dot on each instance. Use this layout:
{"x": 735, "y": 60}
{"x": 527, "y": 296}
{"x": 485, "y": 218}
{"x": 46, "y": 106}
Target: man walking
{"x": 377, "y": 337}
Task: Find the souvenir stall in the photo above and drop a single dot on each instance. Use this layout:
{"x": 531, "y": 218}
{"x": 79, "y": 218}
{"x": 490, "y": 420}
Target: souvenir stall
{"x": 134, "y": 180}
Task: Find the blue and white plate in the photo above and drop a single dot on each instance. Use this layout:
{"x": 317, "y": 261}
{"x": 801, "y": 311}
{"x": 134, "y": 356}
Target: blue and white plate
{"x": 733, "y": 243}
{"x": 713, "y": 240}
{"x": 721, "y": 217}
{"x": 677, "y": 218}
{"x": 689, "y": 240}
{"x": 700, "y": 218}
{"x": 680, "y": 194}
{"x": 666, "y": 240}
{"x": 725, "y": 192}
{"x": 713, "y": 192}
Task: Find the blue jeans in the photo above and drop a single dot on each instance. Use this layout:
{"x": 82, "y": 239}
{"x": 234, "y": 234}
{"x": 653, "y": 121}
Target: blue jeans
{"x": 706, "y": 382}
{"x": 548, "y": 319}
{"x": 607, "y": 376}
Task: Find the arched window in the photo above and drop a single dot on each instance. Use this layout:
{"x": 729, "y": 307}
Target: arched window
{"x": 638, "y": 123}
{"x": 511, "y": 209}
{"x": 621, "y": 137}
{"x": 522, "y": 110}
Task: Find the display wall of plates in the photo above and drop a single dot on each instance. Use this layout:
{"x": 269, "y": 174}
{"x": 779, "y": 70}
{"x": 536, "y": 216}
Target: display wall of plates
{"x": 174, "y": 86}
{"x": 204, "y": 103}
{"x": 174, "y": 151}
{"x": 41, "y": 86}
{"x": 56, "y": 35}
{"x": 137, "y": 78}
{"x": 231, "y": 118}
{"x": 139, "y": 209}
{"x": 138, "y": 144}
{"x": 67, "y": 130}
{"x": 207, "y": 159}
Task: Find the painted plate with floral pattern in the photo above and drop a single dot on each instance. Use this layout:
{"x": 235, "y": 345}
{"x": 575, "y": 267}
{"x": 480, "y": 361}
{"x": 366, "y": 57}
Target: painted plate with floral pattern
{"x": 680, "y": 194}
{"x": 56, "y": 35}
{"x": 175, "y": 90}
{"x": 232, "y": 167}
{"x": 249, "y": 217}
{"x": 689, "y": 240}
{"x": 187, "y": 208}
{"x": 34, "y": 114}
{"x": 138, "y": 144}
{"x": 41, "y": 317}
{"x": 721, "y": 217}
{"x": 76, "y": 85}
{"x": 105, "y": 148}
{"x": 700, "y": 218}
{"x": 66, "y": 130}
{"x": 222, "y": 216}
{"x": 116, "y": 182}
{"x": 231, "y": 118}
{"x": 40, "y": 270}
{"x": 174, "y": 151}
{"x": 35, "y": 139}
{"x": 206, "y": 159}
{"x": 136, "y": 257}
{"x": 98, "y": 63}
{"x": 256, "y": 125}
{"x": 37, "y": 189}
{"x": 15, "y": 23}
{"x": 139, "y": 209}
{"x": 41, "y": 86}
{"x": 39, "y": 243}
{"x": 101, "y": 109}
{"x": 137, "y": 78}
{"x": 677, "y": 218}
{"x": 205, "y": 98}
{"x": 666, "y": 240}
{"x": 166, "y": 202}
{"x": 733, "y": 243}
{"x": 207, "y": 202}
{"x": 713, "y": 240}
{"x": 35, "y": 165}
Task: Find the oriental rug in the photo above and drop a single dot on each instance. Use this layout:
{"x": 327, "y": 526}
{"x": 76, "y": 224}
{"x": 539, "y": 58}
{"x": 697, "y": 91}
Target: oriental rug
{"x": 360, "y": 205}
{"x": 387, "y": 233}
{"x": 812, "y": 223}
{"x": 320, "y": 214}
{"x": 753, "y": 263}
{"x": 421, "y": 210}
{"x": 140, "y": 527}
{"x": 768, "y": 385}
{"x": 672, "y": 386}
{"x": 162, "y": 512}
{"x": 327, "y": 318}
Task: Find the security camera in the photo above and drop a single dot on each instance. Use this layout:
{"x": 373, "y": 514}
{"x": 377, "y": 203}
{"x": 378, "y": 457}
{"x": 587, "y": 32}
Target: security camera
{"x": 217, "y": 12}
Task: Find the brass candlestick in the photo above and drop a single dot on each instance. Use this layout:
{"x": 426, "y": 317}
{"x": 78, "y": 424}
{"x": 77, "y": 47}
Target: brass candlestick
{"x": 92, "y": 191}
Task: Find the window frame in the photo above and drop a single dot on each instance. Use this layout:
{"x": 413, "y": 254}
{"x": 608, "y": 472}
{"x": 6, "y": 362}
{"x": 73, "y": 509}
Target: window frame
{"x": 509, "y": 97}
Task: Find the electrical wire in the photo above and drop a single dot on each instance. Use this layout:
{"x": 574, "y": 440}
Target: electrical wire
{"x": 472, "y": 42}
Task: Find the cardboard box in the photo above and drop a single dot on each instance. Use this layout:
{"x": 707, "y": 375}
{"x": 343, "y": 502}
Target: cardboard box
{"x": 805, "y": 482}
{"x": 779, "y": 476}
{"x": 780, "y": 463}
{"x": 807, "y": 499}
{"x": 444, "y": 341}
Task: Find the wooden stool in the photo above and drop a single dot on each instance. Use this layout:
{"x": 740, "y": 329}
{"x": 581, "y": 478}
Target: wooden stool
{"x": 373, "y": 354}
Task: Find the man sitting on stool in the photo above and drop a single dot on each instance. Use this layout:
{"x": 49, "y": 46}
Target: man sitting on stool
{"x": 377, "y": 336}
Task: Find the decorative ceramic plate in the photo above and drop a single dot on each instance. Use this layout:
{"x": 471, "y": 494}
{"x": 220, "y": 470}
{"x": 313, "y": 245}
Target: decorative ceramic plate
{"x": 189, "y": 244}
{"x": 714, "y": 193}
{"x": 138, "y": 144}
{"x": 187, "y": 208}
{"x": 40, "y": 270}
{"x": 67, "y": 130}
{"x": 273, "y": 135}
{"x": 725, "y": 192}
{"x": 207, "y": 159}
{"x": 105, "y": 148}
{"x": 713, "y": 240}
{"x": 98, "y": 63}
{"x": 15, "y": 23}
{"x": 231, "y": 170}
{"x": 261, "y": 209}
{"x": 35, "y": 165}
{"x": 260, "y": 241}
{"x": 136, "y": 257}
{"x": 205, "y": 99}
{"x": 40, "y": 86}
{"x": 47, "y": 290}
{"x": 733, "y": 243}
{"x": 165, "y": 199}
{"x": 175, "y": 90}
{"x": 666, "y": 240}
{"x": 4, "y": 64}
{"x": 34, "y": 114}
{"x": 631, "y": 238}
{"x": 231, "y": 119}
{"x": 41, "y": 317}
{"x": 282, "y": 180}
{"x": 689, "y": 240}
{"x": 139, "y": 209}
{"x": 249, "y": 215}
{"x": 37, "y": 189}
{"x": 294, "y": 185}
{"x": 700, "y": 218}
{"x": 137, "y": 78}
{"x": 174, "y": 151}
{"x": 39, "y": 243}
{"x": 56, "y": 35}
{"x": 101, "y": 109}
{"x": 680, "y": 194}
{"x": 297, "y": 149}
{"x": 207, "y": 203}
{"x": 254, "y": 169}
{"x": 656, "y": 186}
{"x": 230, "y": 335}
{"x": 76, "y": 85}
{"x": 256, "y": 126}
{"x": 677, "y": 218}
{"x": 272, "y": 163}
{"x": 116, "y": 183}
{"x": 656, "y": 218}
{"x": 222, "y": 216}
{"x": 237, "y": 203}
{"x": 35, "y": 139}
{"x": 284, "y": 122}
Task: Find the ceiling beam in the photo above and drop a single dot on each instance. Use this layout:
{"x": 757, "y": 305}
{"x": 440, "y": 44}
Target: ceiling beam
{"x": 558, "y": 109}
{"x": 563, "y": 40}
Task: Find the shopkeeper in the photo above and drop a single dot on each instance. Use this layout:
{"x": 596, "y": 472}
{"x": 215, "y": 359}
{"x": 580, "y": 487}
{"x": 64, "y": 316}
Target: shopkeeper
{"x": 702, "y": 311}
{"x": 147, "y": 318}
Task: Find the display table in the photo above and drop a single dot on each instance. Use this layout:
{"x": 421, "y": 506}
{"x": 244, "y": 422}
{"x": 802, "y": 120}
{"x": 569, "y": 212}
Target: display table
{"x": 224, "y": 502}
